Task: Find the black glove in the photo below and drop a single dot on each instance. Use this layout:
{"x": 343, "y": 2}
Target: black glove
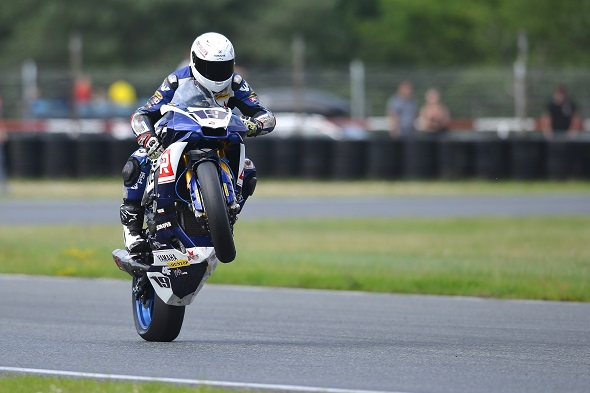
{"x": 254, "y": 126}
{"x": 151, "y": 143}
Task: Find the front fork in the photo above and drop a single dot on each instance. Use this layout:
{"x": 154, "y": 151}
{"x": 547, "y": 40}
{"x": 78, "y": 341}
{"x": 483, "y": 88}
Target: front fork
{"x": 226, "y": 183}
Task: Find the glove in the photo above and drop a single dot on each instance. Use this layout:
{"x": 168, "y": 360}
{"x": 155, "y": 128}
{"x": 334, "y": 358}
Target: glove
{"x": 254, "y": 126}
{"x": 151, "y": 143}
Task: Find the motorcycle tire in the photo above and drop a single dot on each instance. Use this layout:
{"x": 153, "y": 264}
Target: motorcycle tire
{"x": 156, "y": 320}
{"x": 214, "y": 203}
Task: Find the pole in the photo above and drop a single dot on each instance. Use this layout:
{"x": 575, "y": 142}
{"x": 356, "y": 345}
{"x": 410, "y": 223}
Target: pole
{"x": 357, "y": 89}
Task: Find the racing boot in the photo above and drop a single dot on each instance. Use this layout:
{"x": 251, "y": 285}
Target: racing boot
{"x": 132, "y": 220}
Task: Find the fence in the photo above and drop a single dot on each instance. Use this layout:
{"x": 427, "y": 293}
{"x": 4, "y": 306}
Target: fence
{"x": 468, "y": 92}
{"x": 454, "y": 156}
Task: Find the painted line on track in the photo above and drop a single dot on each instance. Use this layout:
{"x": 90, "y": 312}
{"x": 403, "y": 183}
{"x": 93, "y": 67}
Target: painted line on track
{"x": 180, "y": 381}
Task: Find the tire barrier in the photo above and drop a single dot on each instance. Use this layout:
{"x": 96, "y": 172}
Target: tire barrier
{"x": 421, "y": 158}
{"x": 527, "y": 158}
{"x": 120, "y": 150}
{"x": 492, "y": 158}
{"x": 349, "y": 160}
{"x": 317, "y": 158}
{"x": 286, "y": 157}
{"x": 93, "y": 156}
{"x": 259, "y": 150}
{"x": 33, "y": 155}
{"x": 385, "y": 159}
{"x": 456, "y": 158}
{"x": 562, "y": 159}
{"x": 26, "y": 155}
{"x": 583, "y": 164}
{"x": 59, "y": 152}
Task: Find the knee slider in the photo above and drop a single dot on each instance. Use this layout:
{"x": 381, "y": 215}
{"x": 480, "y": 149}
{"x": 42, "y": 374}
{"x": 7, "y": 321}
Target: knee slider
{"x": 131, "y": 172}
{"x": 249, "y": 186}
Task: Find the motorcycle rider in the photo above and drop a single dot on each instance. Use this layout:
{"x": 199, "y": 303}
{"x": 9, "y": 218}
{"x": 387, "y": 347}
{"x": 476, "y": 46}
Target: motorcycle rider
{"x": 211, "y": 66}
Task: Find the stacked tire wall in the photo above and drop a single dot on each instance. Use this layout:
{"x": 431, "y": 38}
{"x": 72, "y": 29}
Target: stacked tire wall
{"x": 449, "y": 157}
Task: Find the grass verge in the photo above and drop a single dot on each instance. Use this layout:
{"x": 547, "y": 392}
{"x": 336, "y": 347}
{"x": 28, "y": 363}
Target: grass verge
{"x": 112, "y": 188}
{"x": 34, "y": 384}
{"x": 529, "y": 258}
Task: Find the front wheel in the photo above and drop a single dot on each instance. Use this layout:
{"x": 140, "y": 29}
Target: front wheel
{"x": 216, "y": 211}
{"x": 156, "y": 320}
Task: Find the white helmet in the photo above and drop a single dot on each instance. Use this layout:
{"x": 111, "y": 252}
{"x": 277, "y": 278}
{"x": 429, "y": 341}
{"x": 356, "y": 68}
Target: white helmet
{"x": 212, "y": 61}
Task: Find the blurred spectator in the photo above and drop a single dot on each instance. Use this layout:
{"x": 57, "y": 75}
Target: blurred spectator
{"x": 82, "y": 90}
{"x": 561, "y": 114}
{"x": 3, "y": 138}
{"x": 434, "y": 115}
{"x": 122, "y": 93}
{"x": 401, "y": 110}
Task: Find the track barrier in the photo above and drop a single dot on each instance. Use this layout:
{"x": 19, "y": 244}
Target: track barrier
{"x": 452, "y": 156}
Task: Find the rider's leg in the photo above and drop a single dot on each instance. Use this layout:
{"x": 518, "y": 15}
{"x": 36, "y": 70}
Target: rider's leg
{"x": 135, "y": 174}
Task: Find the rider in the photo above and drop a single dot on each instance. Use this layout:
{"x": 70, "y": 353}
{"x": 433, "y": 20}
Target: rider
{"x": 211, "y": 66}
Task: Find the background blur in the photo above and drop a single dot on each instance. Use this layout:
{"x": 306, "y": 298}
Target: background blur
{"x": 495, "y": 59}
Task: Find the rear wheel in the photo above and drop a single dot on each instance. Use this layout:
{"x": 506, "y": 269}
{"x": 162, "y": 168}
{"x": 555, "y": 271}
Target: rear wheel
{"x": 156, "y": 320}
{"x": 215, "y": 207}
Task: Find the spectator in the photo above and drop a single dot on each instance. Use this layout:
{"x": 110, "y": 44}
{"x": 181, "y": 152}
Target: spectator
{"x": 82, "y": 90}
{"x": 401, "y": 110}
{"x": 561, "y": 114}
{"x": 434, "y": 115}
{"x": 122, "y": 93}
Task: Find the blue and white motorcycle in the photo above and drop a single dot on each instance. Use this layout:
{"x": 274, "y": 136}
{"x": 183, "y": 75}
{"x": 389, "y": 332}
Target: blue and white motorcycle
{"x": 191, "y": 201}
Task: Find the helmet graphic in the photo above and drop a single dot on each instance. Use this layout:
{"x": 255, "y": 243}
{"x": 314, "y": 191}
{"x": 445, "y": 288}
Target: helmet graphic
{"x": 212, "y": 61}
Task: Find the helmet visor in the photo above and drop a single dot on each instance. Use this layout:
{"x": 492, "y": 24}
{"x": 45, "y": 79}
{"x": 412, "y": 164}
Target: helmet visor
{"x": 217, "y": 71}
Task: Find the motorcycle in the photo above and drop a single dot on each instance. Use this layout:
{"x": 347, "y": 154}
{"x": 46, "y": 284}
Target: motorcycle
{"x": 191, "y": 202}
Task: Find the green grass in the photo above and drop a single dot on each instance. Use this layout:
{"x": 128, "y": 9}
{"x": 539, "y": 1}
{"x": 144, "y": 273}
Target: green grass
{"x": 34, "y": 384}
{"x": 529, "y": 258}
{"x": 112, "y": 188}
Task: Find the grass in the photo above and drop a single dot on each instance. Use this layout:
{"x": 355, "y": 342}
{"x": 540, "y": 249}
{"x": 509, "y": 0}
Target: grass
{"x": 528, "y": 258}
{"x": 34, "y": 384}
{"x": 112, "y": 188}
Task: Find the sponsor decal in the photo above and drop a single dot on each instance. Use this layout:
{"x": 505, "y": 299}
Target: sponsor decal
{"x": 166, "y": 257}
{"x": 192, "y": 256}
{"x": 178, "y": 263}
{"x": 158, "y": 94}
{"x": 253, "y": 98}
{"x": 166, "y": 171}
{"x": 165, "y": 270}
{"x": 163, "y": 225}
{"x": 179, "y": 272}
{"x": 245, "y": 86}
{"x": 201, "y": 49}
{"x": 222, "y": 96}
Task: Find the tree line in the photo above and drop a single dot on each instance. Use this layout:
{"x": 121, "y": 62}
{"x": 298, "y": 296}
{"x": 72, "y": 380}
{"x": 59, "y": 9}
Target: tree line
{"x": 382, "y": 33}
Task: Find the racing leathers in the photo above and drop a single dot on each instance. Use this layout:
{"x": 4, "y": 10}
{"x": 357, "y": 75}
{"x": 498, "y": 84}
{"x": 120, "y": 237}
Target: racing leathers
{"x": 237, "y": 95}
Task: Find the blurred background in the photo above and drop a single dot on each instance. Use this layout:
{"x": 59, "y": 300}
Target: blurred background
{"x": 326, "y": 68}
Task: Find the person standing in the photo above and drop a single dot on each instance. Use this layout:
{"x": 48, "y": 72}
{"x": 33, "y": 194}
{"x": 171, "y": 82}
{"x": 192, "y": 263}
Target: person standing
{"x": 434, "y": 116}
{"x": 402, "y": 111}
{"x": 561, "y": 114}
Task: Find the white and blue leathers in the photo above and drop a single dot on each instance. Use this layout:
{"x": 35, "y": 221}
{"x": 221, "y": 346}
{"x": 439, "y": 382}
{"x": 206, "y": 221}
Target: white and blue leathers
{"x": 237, "y": 95}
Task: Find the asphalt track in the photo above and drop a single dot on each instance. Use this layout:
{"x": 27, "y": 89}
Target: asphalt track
{"x": 296, "y": 340}
{"x": 302, "y": 340}
{"x": 107, "y": 211}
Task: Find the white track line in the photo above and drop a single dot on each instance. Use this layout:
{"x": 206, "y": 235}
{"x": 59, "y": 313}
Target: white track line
{"x": 216, "y": 384}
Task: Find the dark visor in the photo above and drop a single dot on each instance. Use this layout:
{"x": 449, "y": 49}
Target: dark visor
{"x": 214, "y": 70}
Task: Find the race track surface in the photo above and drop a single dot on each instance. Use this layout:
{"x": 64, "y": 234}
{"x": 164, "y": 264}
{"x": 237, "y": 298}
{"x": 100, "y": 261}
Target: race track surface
{"x": 303, "y": 338}
{"x": 107, "y": 211}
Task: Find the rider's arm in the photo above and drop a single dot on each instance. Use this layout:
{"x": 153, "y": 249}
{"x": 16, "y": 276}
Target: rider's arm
{"x": 246, "y": 100}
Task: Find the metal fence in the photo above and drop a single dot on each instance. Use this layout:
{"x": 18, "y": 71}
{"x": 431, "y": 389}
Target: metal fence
{"x": 468, "y": 92}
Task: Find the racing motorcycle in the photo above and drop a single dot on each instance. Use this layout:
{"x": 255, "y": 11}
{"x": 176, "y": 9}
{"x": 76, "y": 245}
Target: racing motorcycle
{"x": 191, "y": 203}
